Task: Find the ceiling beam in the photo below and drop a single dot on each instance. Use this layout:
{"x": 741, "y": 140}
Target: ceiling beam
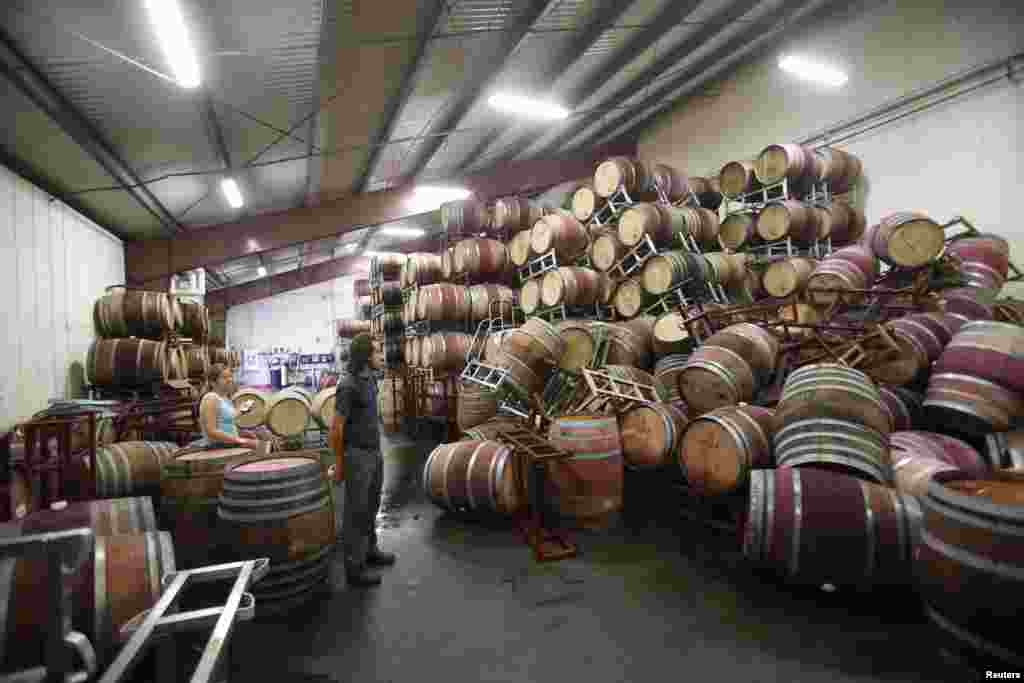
{"x": 433, "y": 21}
{"x": 252, "y": 235}
{"x": 33, "y": 84}
{"x": 642, "y": 81}
{"x": 757, "y": 36}
{"x": 605, "y": 17}
{"x": 508, "y": 41}
{"x": 671, "y": 14}
{"x": 266, "y": 287}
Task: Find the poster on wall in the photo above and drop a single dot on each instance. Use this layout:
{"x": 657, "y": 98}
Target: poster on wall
{"x": 251, "y": 360}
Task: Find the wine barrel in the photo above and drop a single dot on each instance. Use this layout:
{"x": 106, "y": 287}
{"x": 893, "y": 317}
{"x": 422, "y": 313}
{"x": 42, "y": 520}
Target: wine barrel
{"x": 464, "y": 217}
{"x": 660, "y": 223}
{"x": 903, "y": 406}
{"x": 839, "y": 445}
{"x": 349, "y": 327}
{"x": 1005, "y": 450}
{"x": 390, "y": 264}
{"x": 322, "y": 407}
{"x": 389, "y": 404}
{"x": 126, "y": 362}
{"x": 817, "y": 527}
{"x": 941, "y": 447}
{"x": 989, "y": 350}
{"x": 651, "y": 434}
{"x": 571, "y": 286}
{"x": 708, "y": 193}
{"x": 190, "y": 485}
{"x": 287, "y": 412}
{"x": 445, "y": 350}
{"x": 523, "y": 379}
{"x": 536, "y": 343}
{"x": 579, "y": 344}
{"x": 629, "y": 341}
{"x": 900, "y": 366}
{"x": 218, "y": 355}
{"x": 493, "y": 429}
{"x": 913, "y": 472}
{"x": 530, "y": 296}
{"x": 970, "y": 405}
{"x": 433, "y": 399}
{"x": 669, "y": 270}
{"x": 195, "y": 321}
{"x": 789, "y": 276}
{"x": 921, "y": 331}
{"x": 197, "y": 360}
{"x": 631, "y": 298}
{"x": 721, "y": 447}
{"x": 490, "y": 301}
{"x": 115, "y": 517}
{"x": 988, "y": 250}
{"x": 843, "y": 223}
{"x": 175, "y": 369}
{"x": 481, "y": 258}
{"x": 475, "y": 405}
{"x": 909, "y": 239}
{"x": 969, "y": 566}
{"x": 787, "y": 218}
{"x": 832, "y": 391}
{"x": 622, "y": 173}
{"x": 737, "y": 230}
{"x": 715, "y": 376}
{"x": 786, "y": 161}
{"x": 513, "y": 214}
{"x": 672, "y": 183}
{"x": 562, "y": 233}
{"x": 443, "y": 301}
{"x": 754, "y": 343}
{"x": 586, "y": 488}
{"x": 421, "y": 269}
{"x": 118, "y": 579}
{"x": 606, "y": 250}
{"x": 972, "y": 303}
{"x": 672, "y": 333}
{"x": 667, "y": 371}
{"x": 835, "y": 280}
{"x": 474, "y": 476}
{"x": 257, "y": 412}
{"x": 585, "y": 203}
{"x": 132, "y": 313}
{"x": 737, "y": 177}
{"x": 841, "y": 170}
{"x": 129, "y": 468}
{"x": 519, "y": 248}
{"x": 280, "y": 508}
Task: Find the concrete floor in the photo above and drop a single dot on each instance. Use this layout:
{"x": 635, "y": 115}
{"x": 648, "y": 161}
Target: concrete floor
{"x": 660, "y": 601}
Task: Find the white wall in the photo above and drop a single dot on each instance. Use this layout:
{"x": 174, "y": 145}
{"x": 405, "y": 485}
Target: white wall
{"x": 54, "y": 263}
{"x": 294, "y": 319}
{"x": 962, "y": 157}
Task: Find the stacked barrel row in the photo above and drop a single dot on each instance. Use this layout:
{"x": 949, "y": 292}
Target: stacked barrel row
{"x": 137, "y": 339}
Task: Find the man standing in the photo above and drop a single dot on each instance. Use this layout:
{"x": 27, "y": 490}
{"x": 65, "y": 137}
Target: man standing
{"x": 357, "y": 448}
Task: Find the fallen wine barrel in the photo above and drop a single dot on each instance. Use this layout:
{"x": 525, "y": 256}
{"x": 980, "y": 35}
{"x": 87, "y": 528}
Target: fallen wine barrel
{"x": 670, "y": 270}
{"x": 587, "y": 487}
{"x": 536, "y": 343}
{"x": 720, "y": 448}
{"x": 1005, "y": 450}
{"x": 257, "y": 410}
{"x": 941, "y": 447}
{"x": 623, "y": 173}
{"x": 475, "y": 476}
{"x": 464, "y": 217}
{"x": 832, "y": 391}
{"x": 787, "y": 277}
{"x": 969, "y": 567}
{"x": 817, "y": 527}
{"x": 562, "y": 233}
{"x": 445, "y": 350}
{"x": 389, "y": 404}
{"x": 791, "y": 162}
{"x": 529, "y": 296}
{"x": 754, "y": 343}
{"x": 990, "y": 251}
{"x": 512, "y": 214}
{"x": 481, "y": 258}
{"x": 667, "y": 371}
{"x": 189, "y": 489}
{"x": 128, "y": 468}
{"x": 787, "y": 218}
{"x": 921, "y": 332}
{"x": 840, "y": 445}
{"x": 571, "y": 286}
{"x": 280, "y": 508}
{"x": 989, "y": 350}
{"x": 443, "y": 301}
{"x": 490, "y": 301}
{"x": 606, "y": 250}
{"x": 836, "y": 280}
{"x": 631, "y": 298}
{"x": 737, "y": 177}
{"x": 737, "y": 230}
{"x": 322, "y": 407}
{"x": 913, "y": 472}
{"x": 126, "y": 362}
{"x": 288, "y": 412}
{"x": 716, "y": 376}
{"x": 673, "y": 335}
{"x": 651, "y": 434}
{"x": 629, "y": 341}
{"x": 970, "y": 405}
{"x": 115, "y": 517}
{"x": 579, "y": 344}
{"x": 971, "y": 303}
{"x": 841, "y": 170}
{"x": 585, "y": 203}
{"x": 350, "y": 327}
{"x": 519, "y": 248}
{"x": 903, "y": 405}
{"x": 725, "y": 269}
{"x": 901, "y": 366}
{"x": 132, "y": 313}
{"x": 475, "y": 405}
{"x": 909, "y": 239}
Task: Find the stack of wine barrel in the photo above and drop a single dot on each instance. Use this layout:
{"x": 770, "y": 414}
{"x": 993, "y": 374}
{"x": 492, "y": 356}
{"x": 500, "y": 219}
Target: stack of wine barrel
{"x": 858, "y": 469}
{"x": 138, "y": 344}
{"x": 286, "y": 413}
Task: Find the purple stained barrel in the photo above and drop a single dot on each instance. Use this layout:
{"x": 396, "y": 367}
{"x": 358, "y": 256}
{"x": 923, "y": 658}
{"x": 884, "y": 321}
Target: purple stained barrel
{"x": 989, "y": 350}
{"x": 965, "y": 404}
{"x": 973, "y": 303}
{"x": 991, "y": 250}
{"x": 919, "y": 333}
{"x": 587, "y": 486}
{"x": 903, "y": 406}
{"x": 476, "y": 476}
{"x": 817, "y": 527}
{"x": 942, "y": 447}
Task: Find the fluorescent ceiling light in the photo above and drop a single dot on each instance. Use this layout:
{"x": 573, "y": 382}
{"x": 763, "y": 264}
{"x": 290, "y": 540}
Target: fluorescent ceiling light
{"x": 350, "y": 246}
{"x": 402, "y": 232}
{"x": 231, "y": 192}
{"x": 813, "y": 71}
{"x": 528, "y": 107}
{"x": 169, "y": 24}
{"x": 262, "y": 271}
{"x": 429, "y": 197}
